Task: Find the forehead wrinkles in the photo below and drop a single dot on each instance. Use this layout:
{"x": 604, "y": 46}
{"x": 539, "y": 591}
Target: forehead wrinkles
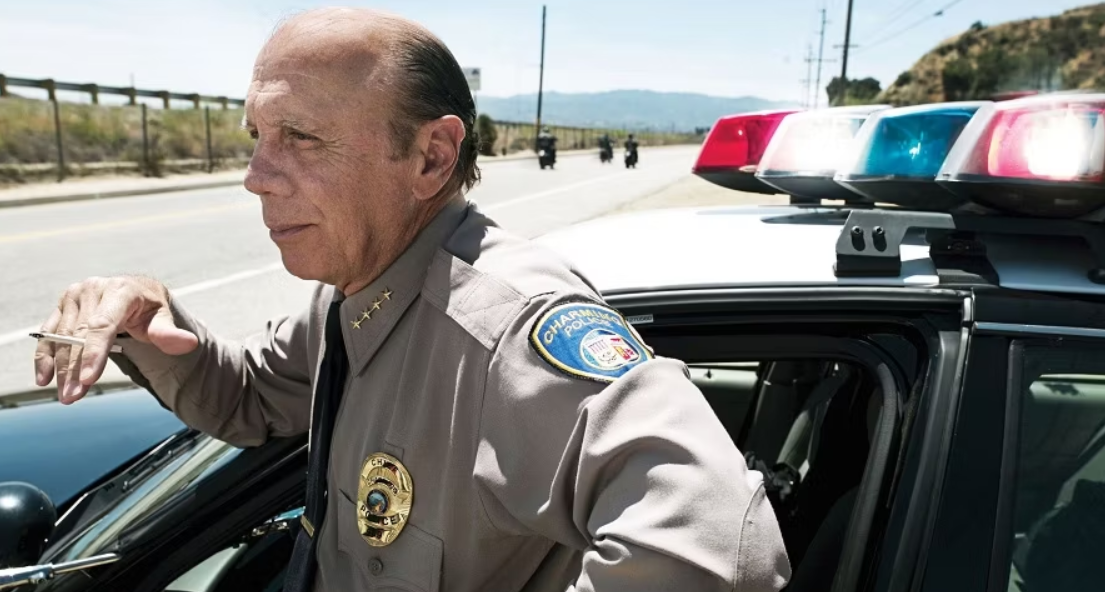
{"x": 343, "y": 45}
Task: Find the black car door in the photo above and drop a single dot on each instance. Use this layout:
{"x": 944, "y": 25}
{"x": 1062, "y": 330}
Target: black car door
{"x": 1023, "y": 503}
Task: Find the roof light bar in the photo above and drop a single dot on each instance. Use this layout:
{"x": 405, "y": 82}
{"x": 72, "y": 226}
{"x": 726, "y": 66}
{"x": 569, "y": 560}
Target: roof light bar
{"x": 899, "y": 151}
{"x": 734, "y": 147}
{"x": 808, "y": 149}
{"x": 1039, "y": 156}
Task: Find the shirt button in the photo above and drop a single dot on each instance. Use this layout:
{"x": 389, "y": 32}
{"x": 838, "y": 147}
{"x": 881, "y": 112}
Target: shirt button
{"x": 376, "y": 567}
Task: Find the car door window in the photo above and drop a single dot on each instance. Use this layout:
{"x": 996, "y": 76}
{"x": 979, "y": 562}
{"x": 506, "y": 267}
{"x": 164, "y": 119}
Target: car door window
{"x": 255, "y": 563}
{"x": 1057, "y": 528}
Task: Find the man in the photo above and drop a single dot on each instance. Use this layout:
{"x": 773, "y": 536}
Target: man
{"x": 500, "y": 428}
{"x": 631, "y": 145}
{"x": 606, "y": 145}
{"x": 546, "y": 141}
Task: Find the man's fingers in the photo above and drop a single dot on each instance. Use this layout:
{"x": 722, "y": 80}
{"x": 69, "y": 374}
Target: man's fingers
{"x": 167, "y": 337}
{"x": 103, "y": 325}
{"x": 66, "y": 326}
{"x": 88, "y": 300}
{"x": 73, "y": 390}
{"x": 44, "y": 351}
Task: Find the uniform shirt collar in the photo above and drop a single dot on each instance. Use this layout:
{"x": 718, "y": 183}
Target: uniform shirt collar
{"x": 369, "y": 316}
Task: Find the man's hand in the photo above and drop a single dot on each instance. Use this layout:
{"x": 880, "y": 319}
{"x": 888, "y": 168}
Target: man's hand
{"x": 98, "y": 309}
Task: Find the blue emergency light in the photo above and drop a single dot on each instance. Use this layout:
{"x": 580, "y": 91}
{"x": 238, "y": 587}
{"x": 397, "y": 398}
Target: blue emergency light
{"x": 899, "y": 152}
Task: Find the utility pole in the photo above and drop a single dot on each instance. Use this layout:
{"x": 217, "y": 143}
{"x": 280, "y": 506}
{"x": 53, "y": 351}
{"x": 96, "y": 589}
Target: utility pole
{"x": 540, "y": 80}
{"x": 844, "y": 58}
{"x": 820, "y": 56}
{"x": 809, "y": 77}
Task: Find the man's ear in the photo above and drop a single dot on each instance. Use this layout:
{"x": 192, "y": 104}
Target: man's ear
{"x": 437, "y": 149}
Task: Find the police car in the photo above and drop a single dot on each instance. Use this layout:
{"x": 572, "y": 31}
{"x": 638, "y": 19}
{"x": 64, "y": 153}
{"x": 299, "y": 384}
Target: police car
{"x": 912, "y": 352}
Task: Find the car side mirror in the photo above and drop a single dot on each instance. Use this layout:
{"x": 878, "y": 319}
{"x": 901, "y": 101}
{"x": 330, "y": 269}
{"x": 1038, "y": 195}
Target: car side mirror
{"x": 27, "y": 518}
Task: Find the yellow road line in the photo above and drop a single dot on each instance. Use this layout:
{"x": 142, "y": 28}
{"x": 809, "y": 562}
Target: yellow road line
{"x": 13, "y": 238}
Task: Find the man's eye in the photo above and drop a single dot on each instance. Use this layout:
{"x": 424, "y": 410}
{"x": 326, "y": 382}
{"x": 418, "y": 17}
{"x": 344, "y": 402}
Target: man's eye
{"x": 300, "y": 136}
{"x": 254, "y": 134}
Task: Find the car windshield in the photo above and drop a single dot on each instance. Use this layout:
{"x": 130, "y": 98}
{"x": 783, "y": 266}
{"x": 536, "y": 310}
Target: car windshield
{"x": 174, "y": 475}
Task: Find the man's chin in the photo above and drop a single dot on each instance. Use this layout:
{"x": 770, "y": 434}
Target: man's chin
{"x": 304, "y": 268}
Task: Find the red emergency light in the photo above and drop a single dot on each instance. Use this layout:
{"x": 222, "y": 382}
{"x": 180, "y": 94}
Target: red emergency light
{"x": 734, "y": 147}
{"x": 1039, "y": 156}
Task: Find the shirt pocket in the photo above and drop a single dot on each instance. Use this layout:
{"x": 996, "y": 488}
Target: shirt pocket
{"x": 412, "y": 563}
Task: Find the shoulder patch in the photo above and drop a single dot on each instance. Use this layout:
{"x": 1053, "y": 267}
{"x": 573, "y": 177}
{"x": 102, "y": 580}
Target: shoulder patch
{"x": 588, "y": 340}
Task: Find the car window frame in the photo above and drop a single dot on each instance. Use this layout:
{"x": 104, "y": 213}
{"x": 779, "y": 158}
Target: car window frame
{"x": 941, "y": 316}
{"x": 996, "y": 318}
{"x": 1021, "y": 375}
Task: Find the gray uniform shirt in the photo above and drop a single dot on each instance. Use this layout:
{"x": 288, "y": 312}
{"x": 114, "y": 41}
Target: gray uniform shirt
{"x": 527, "y": 475}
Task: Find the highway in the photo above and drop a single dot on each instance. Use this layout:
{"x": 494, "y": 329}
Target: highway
{"x": 210, "y": 247}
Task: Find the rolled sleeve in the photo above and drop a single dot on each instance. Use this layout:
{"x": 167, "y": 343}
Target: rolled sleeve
{"x": 637, "y": 474}
{"x": 239, "y": 392}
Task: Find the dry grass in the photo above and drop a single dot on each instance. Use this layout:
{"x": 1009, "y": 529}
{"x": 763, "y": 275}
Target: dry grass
{"x": 94, "y": 133}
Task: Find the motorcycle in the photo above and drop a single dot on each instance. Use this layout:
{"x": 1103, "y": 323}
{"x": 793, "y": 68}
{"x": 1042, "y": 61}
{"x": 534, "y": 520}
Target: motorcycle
{"x": 546, "y": 158}
{"x": 606, "y": 154}
{"x": 630, "y": 159}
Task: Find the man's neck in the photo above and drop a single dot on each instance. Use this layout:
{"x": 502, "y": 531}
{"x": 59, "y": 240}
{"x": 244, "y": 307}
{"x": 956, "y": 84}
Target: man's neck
{"x": 420, "y": 222}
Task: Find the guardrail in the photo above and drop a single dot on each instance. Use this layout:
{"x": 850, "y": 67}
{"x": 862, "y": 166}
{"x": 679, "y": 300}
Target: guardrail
{"x": 90, "y": 134}
{"x": 51, "y": 86}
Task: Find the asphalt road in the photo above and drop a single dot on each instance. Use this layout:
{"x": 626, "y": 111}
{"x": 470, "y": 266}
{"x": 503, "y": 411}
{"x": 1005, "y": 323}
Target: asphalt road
{"x": 210, "y": 247}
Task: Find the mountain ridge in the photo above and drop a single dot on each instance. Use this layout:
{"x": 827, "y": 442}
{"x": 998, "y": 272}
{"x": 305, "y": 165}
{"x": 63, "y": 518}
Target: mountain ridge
{"x": 1065, "y": 51}
{"x": 629, "y": 109}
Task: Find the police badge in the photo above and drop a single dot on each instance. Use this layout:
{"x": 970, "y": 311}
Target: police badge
{"x": 384, "y": 498}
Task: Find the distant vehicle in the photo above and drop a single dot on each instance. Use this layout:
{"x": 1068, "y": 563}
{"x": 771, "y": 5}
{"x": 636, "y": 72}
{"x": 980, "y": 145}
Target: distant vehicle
{"x": 606, "y": 154}
{"x": 546, "y": 149}
{"x": 917, "y": 369}
{"x": 630, "y": 159}
{"x": 546, "y": 158}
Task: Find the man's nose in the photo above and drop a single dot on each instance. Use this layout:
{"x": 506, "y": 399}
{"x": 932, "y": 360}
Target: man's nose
{"x": 263, "y": 176}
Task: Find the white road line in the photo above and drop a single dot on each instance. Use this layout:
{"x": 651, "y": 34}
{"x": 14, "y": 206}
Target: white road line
{"x": 533, "y": 196}
{"x": 234, "y": 277}
{"x": 14, "y": 336}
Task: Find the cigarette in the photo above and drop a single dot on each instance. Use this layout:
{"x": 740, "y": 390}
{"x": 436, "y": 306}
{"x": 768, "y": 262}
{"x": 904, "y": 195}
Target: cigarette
{"x": 115, "y": 349}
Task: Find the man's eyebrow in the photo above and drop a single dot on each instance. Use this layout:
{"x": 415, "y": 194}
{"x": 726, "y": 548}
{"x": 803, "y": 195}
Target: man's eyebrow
{"x": 283, "y": 122}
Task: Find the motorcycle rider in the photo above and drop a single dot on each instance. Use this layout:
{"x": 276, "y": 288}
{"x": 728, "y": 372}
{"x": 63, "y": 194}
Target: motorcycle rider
{"x": 631, "y": 150}
{"x": 605, "y": 143}
{"x": 547, "y": 141}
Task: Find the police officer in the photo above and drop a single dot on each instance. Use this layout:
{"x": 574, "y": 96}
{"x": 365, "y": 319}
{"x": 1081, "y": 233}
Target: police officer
{"x": 479, "y": 418}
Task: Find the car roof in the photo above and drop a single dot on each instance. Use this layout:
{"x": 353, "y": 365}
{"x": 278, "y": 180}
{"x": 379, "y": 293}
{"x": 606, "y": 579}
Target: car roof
{"x": 37, "y": 441}
{"x": 783, "y": 246}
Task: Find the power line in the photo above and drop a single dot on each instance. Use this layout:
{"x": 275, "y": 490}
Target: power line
{"x": 897, "y": 14}
{"x": 896, "y": 34}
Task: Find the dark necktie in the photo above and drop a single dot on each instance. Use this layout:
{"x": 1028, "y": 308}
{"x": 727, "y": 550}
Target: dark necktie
{"x": 331, "y": 382}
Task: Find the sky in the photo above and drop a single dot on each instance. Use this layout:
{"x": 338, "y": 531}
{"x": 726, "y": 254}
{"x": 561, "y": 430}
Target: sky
{"x": 716, "y": 47}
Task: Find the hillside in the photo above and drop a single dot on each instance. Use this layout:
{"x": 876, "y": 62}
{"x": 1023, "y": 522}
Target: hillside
{"x": 1061, "y": 52}
{"x": 634, "y": 109}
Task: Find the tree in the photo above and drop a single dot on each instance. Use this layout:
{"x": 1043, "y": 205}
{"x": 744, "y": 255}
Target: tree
{"x": 865, "y": 89}
{"x": 862, "y": 90}
{"x": 486, "y": 134}
{"x": 994, "y": 68}
{"x": 958, "y": 78}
